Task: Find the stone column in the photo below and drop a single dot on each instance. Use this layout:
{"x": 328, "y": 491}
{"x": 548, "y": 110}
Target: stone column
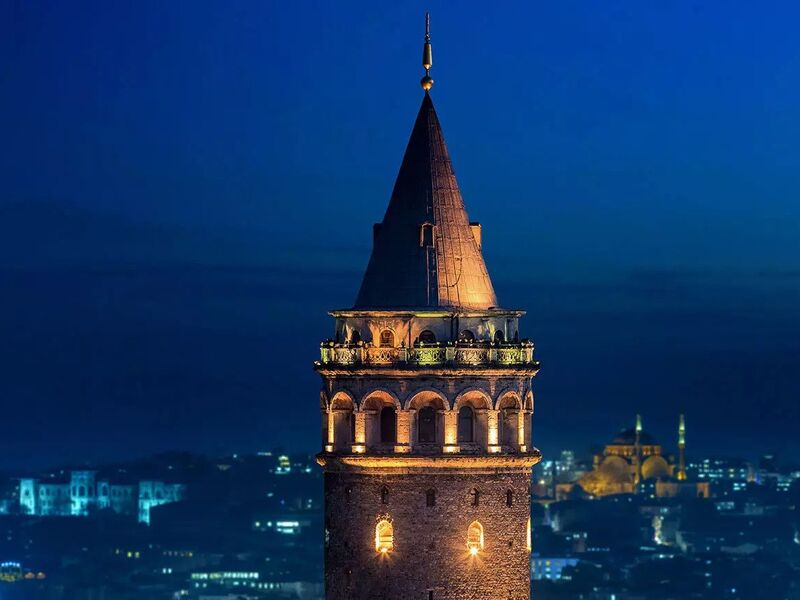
{"x": 521, "y": 431}
{"x": 361, "y": 433}
{"x": 491, "y": 423}
{"x": 331, "y": 431}
{"x": 403, "y": 431}
{"x": 450, "y": 431}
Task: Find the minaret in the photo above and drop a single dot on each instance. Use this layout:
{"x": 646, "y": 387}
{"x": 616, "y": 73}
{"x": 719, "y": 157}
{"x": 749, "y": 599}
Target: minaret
{"x": 427, "y": 405}
{"x": 681, "y": 449}
{"x": 637, "y": 454}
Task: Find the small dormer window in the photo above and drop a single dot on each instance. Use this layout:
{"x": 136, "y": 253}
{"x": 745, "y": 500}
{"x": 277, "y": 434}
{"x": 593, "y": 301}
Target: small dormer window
{"x": 426, "y": 235}
{"x": 387, "y": 338}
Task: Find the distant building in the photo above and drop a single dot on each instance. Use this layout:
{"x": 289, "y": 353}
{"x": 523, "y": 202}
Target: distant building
{"x": 156, "y": 493}
{"x": 82, "y": 493}
{"x": 550, "y": 568}
{"x": 633, "y": 461}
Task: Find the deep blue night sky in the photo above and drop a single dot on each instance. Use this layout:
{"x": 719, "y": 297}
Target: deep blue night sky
{"x": 187, "y": 187}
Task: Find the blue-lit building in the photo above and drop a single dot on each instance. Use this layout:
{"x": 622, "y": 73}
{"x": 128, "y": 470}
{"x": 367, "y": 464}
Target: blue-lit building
{"x": 550, "y": 568}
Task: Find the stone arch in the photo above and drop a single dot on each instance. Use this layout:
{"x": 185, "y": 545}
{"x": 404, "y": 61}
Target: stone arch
{"x": 508, "y": 398}
{"x": 428, "y": 423}
{"x": 373, "y": 404}
{"x": 480, "y": 402}
{"x": 476, "y": 397}
{"x": 509, "y": 407}
{"x": 427, "y": 396}
{"x": 528, "y": 404}
{"x": 383, "y": 395}
{"x": 342, "y": 408}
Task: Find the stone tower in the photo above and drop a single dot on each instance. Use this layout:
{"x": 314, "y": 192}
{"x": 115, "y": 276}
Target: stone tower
{"x": 427, "y": 406}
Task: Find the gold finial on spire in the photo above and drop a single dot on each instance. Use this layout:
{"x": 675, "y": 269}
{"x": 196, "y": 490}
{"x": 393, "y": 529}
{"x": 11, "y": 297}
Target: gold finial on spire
{"x": 427, "y": 55}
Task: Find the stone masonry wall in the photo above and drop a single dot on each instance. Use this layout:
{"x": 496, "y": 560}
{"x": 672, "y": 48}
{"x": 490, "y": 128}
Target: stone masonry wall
{"x": 430, "y": 559}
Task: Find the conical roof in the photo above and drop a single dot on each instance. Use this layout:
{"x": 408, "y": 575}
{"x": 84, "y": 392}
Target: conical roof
{"x": 425, "y": 254}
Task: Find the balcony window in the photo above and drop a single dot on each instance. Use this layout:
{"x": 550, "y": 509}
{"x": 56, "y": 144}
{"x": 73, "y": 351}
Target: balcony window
{"x": 427, "y": 337}
{"x": 387, "y": 339}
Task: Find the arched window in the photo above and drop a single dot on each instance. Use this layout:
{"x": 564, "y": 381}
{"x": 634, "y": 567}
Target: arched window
{"x": 475, "y": 537}
{"x": 427, "y": 337}
{"x": 81, "y": 492}
{"x": 509, "y": 498}
{"x": 427, "y": 425}
{"x": 466, "y": 424}
{"x": 476, "y": 496}
{"x": 466, "y": 336}
{"x": 384, "y": 536}
{"x": 499, "y": 337}
{"x": 387, "y": 339}
{"x": 355, "y": 336}
{"x": 388, "y": 425}
{"x": 384, "y": 495}
{"x": 430, "y": 498}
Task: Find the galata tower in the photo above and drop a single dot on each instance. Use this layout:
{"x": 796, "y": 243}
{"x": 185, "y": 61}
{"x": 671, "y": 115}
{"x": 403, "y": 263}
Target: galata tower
{"x": 427, "y": 405}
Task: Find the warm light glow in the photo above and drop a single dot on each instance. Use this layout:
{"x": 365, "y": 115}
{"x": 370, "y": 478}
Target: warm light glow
{"x": 528, "y": 535}
{"x": 475, "y": 538}
{"x": 384, "y": 536}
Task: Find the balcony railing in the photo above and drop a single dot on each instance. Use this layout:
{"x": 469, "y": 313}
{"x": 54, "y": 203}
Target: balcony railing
{"x": 459, "y": 353}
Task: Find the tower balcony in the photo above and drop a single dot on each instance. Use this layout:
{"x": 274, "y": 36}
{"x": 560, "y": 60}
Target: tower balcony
{"x": 461, "y": 354}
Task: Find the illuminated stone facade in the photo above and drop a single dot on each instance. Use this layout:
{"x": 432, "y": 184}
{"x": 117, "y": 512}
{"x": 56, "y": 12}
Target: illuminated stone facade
{"x": 634, "y": 459}
{"x": 83, "y": 494}
{"x": 427, "y": 408}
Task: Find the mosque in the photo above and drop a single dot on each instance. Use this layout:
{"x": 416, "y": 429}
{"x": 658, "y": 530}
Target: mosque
{"x": 634, "y": 462}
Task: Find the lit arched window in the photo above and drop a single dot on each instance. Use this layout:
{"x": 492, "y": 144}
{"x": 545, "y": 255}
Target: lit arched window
{"x": 387, "y": 339}
{"x": 388, "y": 425}
{"x": 430, "y": 498}
{"x": 475, "y": 537}
{"x": 509, "y": 498}
{"x": 528, "y": 534}
{"x": 384, "y": 536}
{"x": 427, "y": 425}
{"x": 465, "y": 424}
{"x": 384, "y": 495}
{"x": 466, "y": 336}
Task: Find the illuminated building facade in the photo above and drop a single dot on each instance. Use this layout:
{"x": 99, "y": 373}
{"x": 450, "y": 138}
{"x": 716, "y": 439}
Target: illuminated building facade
{"x": 633, "y": 461}
{"x": 82, "y": 493}
{"x": 427, "y": 405}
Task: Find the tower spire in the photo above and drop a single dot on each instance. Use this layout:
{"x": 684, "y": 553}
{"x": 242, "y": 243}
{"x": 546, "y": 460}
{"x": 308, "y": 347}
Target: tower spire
{"x": 427, "y": 55}
{"x": 681, "y": 449}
